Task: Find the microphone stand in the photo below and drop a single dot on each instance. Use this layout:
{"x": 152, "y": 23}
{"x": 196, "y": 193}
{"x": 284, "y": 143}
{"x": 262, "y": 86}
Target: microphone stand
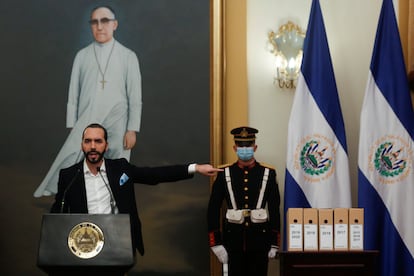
{"x": 114, "y": 208}
{"x": 67, "y": 189}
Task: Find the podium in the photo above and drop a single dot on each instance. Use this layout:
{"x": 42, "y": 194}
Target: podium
{"x": 82, "y": 244}
{"x": 338, "y": 263}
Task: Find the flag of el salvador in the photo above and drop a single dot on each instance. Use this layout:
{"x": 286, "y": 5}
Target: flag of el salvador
{"x": 386, "y": 151}
{"x": 317, "y": 169}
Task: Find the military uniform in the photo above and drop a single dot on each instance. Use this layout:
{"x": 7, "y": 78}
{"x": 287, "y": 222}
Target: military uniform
{"x": 246, "y": 242}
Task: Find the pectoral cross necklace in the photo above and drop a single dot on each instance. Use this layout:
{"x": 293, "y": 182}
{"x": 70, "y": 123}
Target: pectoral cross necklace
{"x": 103, "y": 81}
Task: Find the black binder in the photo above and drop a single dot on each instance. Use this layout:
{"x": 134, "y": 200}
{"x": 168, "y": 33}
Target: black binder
{"x": 55, "y": 256}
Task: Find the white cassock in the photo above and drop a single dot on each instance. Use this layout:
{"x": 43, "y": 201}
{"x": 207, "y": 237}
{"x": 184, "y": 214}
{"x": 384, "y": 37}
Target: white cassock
{"x": 116, "y": 104}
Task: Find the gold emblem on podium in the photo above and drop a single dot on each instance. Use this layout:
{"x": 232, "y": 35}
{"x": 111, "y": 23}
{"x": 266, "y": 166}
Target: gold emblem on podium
{"x": 86, "y": 240}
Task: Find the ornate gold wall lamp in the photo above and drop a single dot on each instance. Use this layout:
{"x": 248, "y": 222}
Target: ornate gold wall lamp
{"x": 287, "y": 46}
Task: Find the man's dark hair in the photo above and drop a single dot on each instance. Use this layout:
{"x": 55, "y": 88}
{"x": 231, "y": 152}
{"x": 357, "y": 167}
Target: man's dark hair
{"x": 104, "y": 6}
{"x": 96, "y": 125}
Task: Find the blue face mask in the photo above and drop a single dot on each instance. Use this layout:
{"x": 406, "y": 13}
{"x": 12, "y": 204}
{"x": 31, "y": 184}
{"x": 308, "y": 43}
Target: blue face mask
{"x": 245, "y": 153}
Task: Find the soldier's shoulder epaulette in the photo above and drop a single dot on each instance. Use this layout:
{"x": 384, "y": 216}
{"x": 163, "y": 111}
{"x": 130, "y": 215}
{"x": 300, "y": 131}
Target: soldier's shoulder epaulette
{"x": 267, "y": 166}
{"x": 224, "y": 166}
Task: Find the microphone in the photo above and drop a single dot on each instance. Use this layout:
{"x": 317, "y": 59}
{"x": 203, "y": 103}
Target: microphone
{"x": 114, "y": 208}
{"x": 67, "y": 189}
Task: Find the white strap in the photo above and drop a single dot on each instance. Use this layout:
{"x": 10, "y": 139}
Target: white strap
{"x": 229, "y": 187}
{"x": 225, "y": 269}
{"x": 262, "y": 190}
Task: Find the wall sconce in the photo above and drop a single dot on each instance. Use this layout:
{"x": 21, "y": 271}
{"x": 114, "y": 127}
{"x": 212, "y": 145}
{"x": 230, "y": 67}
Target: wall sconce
{"x": 287, "y": 46}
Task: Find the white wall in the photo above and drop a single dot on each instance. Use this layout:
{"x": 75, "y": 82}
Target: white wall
{"x": 351, "y": 28}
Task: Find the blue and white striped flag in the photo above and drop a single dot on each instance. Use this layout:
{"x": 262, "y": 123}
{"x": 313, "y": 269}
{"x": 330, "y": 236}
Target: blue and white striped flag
{"x": 317, "y": 170}
{"x": 385, "y": 161}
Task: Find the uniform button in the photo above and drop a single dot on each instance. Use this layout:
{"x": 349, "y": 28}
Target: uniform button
{"x": 246, "y": 188}
{"x": 246, "y": 206}
{"x": 246, "y": 197}
{"x": 245, "y": 180}
{"x": 246, "y": 172}
{"x": 246, "y": 223}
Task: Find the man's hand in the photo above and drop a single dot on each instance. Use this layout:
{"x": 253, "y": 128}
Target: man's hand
{"x": 130, "y": 139}
{"x": 273, "y": 252}
{"x": 207, "y": 169}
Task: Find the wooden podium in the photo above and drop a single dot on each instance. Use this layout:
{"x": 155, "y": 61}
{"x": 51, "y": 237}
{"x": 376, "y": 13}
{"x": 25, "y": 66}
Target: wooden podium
{"x": 337, "y": 263}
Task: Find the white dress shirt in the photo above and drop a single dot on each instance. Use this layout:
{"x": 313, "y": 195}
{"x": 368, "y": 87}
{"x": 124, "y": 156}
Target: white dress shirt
{"x": 97, "y": 194}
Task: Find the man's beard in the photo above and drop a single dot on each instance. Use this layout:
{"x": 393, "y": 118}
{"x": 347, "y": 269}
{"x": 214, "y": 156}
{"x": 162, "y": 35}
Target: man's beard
{"x": 96, "y": 159}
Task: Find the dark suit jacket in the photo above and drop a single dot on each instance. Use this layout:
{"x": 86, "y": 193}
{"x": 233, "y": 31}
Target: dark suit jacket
{"x": 76, "y": 201}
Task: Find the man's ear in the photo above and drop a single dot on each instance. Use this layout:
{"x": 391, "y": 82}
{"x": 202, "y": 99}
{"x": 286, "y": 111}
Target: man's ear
{"x": 235, "y": 148}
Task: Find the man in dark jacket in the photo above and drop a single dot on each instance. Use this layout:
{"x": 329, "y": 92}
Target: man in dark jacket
{"x": 251, "y": 225}
{"x": 102, "y": 186}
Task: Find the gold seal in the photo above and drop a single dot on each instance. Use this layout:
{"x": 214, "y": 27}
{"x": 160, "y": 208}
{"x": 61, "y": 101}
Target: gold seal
{"x": 86, "y": 240}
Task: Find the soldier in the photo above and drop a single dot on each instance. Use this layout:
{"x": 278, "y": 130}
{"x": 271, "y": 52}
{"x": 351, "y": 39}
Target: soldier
{"x": 251, "y": 227}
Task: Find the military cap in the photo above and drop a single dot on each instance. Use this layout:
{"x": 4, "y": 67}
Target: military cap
{"x": 244, "y": 134}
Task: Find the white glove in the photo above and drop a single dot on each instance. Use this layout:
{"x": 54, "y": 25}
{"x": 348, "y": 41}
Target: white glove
{"x": 221, "y": 253}
{"x": 273, "y": 251}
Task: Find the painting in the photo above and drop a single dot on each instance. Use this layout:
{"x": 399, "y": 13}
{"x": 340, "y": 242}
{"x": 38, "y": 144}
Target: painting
{"x": 172, "y": 42}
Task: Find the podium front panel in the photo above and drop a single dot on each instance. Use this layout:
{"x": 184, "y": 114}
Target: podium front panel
{"x": 54, "y": 251}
